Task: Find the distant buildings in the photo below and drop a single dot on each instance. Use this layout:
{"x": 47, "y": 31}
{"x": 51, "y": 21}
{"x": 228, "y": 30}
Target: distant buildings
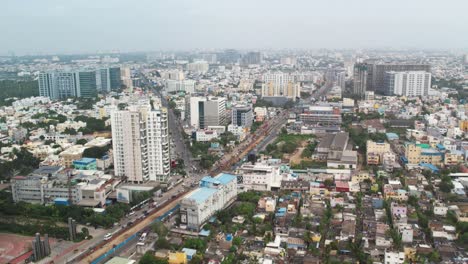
{"x": 371, "y": 75}
{"x": 198, "y": 67}
{"x": 360, "y": 79}
{"x": 140, "y": 140}
{"x": 83, "y": 83}
{"x": 280, "y": 84}
{"x": 410, "y": 84}
{"x": 214, "y": 194}
{"x": 252, "y": 58}
{"x": 187, "y": 86}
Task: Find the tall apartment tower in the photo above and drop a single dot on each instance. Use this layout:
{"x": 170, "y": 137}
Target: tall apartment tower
{"x": 360, "y": 79}
{"x": 376, "y": 73}
{"x": 206, "y": 112}
{"x": 280, "y": 84}
{"x": 410, "y": 84}
{"x": 140, "y": 139}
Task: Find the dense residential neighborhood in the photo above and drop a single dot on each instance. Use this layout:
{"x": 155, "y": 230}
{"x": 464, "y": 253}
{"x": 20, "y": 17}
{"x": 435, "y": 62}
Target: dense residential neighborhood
{"x": 235, "y": 157}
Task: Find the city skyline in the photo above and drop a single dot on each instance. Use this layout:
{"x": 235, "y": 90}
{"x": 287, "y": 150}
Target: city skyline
{"x": 87, "y": 27}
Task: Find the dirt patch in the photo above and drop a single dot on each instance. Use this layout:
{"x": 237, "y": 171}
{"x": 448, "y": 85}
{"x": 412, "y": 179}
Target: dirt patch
{"x": 295, "y": 158}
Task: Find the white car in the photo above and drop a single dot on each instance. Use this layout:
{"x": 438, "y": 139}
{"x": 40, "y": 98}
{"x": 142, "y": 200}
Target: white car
{"x": 108, "y": 236}
{"x": 131, "y": 213}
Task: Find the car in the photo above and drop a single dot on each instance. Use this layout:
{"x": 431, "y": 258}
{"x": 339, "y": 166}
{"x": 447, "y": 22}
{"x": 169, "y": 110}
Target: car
{"x": 131, "y": 213}
{"x": 108, "y": 236}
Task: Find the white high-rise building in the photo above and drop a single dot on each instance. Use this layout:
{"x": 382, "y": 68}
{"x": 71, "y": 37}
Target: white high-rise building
{"x": 409, "y": 83}
{"x": 187, "y": 86}
{"x": 280, "y": 84}
{"x": 205, "y": 112}
{"x": 140, "y": 139}
{"x": 198, "y": 67}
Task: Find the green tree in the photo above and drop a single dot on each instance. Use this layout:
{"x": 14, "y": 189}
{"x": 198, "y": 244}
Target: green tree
{"x": 81, "y": 141}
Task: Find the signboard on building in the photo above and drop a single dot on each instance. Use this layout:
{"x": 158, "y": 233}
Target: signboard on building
{"x": 123, "y": 196}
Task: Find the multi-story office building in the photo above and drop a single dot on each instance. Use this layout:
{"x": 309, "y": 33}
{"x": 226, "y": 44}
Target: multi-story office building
{"x": 52, "y": 184}
{"x": 410, "y": 84}
{"x": 214, "y": 194}
{"x": 187, "y": 86}
{"x": 81, "y": 83}
{"x": 280, "y": 84}
{"x": 86, "y": 84}
{"x": 140, "y": 140}
{"x": 57, "y": 85}
{"x": 321, "y": 115}
{"x": 260, "y": 176}
{"x": 376, "y": 73}
{"x": 360, "y": 79}
{"x": 109, "y": 79}
{"x": 242, "y": 116}
{"x": 207, "y": 111}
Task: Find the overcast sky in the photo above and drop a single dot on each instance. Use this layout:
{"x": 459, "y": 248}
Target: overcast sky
{"x": 74, "y": 26}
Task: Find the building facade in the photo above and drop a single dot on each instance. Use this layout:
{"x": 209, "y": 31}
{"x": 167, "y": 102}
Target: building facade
{"x": 214, "y": 194}
{"x": 242, "y": 116}
{"x": 410, "y": 84}
{"x": 140, "y": 140}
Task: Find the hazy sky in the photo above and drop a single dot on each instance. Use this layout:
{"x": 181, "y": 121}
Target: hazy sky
{"x": 72, "y": 26}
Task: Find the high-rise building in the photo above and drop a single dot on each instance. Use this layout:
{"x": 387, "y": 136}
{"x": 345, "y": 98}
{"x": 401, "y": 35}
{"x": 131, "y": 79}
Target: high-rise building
{"x": 360, "y": 79}
{"x": 114, "y": 76}
{"x": 410, "y": 84}
{"x": 126, "y": 77}
{"x": 198, "y": 67}
{"x": 207, "y": 111}
{"x": 80, "y": 83}
{"x": 140, "y": 139}
{"x": 242, "y": 116}
{"x": 230, "y": 56}
{"x": 86, "y": 84}
{"x": 187, "y": 86}
{"x": 376, "y": 73}
{"x": 57, "y": 85}
{"x": 252, "y": 58}
{"x": 109, "y": 79}
{"x": 280, "y": 84}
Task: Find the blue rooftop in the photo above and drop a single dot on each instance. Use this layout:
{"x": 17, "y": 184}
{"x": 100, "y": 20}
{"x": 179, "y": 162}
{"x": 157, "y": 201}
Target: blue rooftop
{"x": 85, "y": 160}
{"x": 201, "y": 194}
{"x": 391, "y": 136}
{"x": 204, "y": 232}
{"x": 61, "y": 199}
{"x": 429, "y": 166}
{"x": 226, "y": 178}
{"x": 222, "y": 178}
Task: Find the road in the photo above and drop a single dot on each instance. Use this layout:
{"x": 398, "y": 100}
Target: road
{"x": 134, "y": 229}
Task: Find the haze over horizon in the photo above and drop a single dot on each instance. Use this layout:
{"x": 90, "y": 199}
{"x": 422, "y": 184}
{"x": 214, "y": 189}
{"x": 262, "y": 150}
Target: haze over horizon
{"x": 54, "y": 27}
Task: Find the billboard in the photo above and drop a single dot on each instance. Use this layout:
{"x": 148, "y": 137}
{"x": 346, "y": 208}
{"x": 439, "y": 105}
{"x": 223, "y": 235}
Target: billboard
{"x": 123, "y": 196}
